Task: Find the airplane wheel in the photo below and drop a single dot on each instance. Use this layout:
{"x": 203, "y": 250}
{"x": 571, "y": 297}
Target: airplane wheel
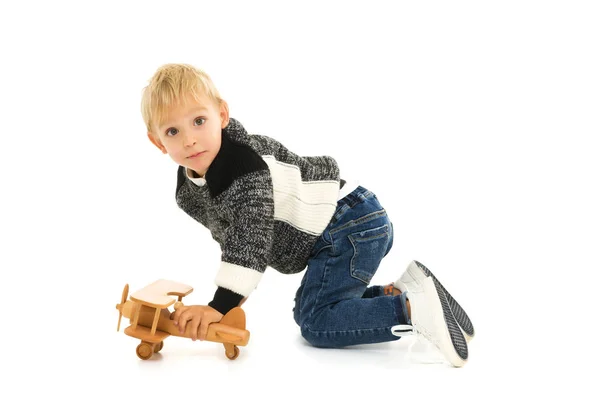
{"x": 236, "y": 353}
{"x": 144, "y": 350}
{"x": 159, "y": 346}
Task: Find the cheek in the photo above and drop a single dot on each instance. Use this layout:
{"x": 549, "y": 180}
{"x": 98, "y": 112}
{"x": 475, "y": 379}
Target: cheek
{"x": 215, "y": 137}
{"x": 178, "y": 155}
{"x": 174, "y": 152}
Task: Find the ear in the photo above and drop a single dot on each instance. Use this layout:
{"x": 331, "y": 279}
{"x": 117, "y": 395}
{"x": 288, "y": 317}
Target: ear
{"x": 224, "y": 114}
{"x": 155, "y": 141}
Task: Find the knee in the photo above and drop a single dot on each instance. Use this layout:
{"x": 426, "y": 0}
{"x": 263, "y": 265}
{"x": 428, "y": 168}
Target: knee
{"x": 312, "y": 337}
{"x": 319, "y": 339}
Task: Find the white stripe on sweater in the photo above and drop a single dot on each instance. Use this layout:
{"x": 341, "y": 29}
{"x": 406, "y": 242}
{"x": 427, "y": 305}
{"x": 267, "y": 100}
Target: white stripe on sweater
{"x": 237, "y": 278}
{"x": 307, "y": 206}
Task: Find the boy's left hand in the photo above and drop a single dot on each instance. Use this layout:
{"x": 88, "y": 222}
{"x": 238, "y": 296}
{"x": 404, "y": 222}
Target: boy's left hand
{"x": 200, "y": 317}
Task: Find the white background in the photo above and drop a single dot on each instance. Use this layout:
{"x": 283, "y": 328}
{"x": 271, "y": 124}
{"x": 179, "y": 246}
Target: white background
{"x": 475, "y": 123}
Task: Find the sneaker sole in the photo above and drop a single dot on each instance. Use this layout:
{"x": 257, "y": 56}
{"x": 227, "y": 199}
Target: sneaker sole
{"x": 417, "y": 273}
{"x": 459, "y": 313}
{"x": 454, "y": 347}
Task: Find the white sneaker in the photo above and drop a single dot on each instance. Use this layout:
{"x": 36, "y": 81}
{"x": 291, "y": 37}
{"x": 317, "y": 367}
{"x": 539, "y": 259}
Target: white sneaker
{"x": 432, "y": 319}
{"x": 415, "y": 274}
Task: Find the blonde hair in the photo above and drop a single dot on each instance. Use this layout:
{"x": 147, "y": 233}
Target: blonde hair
{"x": 170, "y": 86}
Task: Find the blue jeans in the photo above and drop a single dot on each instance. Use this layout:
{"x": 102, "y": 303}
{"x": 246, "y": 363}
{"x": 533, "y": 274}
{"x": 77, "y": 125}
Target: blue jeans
{"x": 334, "y": 306}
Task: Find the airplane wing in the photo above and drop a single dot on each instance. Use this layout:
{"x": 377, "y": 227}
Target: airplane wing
{"x": 158, "y": 294}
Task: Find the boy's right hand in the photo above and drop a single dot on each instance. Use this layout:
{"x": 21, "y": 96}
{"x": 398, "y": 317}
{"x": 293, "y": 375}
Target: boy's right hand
{"x": 200, "y": 317}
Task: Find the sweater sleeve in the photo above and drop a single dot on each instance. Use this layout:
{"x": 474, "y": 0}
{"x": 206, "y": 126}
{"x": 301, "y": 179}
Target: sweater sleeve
{"x": 249, "y": 206}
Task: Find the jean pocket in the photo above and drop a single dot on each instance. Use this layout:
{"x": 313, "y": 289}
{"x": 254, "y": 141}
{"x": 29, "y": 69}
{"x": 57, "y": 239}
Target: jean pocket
{"x": 370, "y": 247}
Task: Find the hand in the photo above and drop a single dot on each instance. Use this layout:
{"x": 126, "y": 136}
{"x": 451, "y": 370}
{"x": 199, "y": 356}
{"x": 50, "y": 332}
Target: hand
{"x": 200, "y": 317}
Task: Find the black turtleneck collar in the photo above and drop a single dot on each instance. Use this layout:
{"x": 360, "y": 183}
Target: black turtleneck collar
{"x": 234, "y": 159}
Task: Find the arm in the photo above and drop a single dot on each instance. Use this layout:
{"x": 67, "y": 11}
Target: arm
{"x": 250, "y": 207}
{"x": 250, "y": 210}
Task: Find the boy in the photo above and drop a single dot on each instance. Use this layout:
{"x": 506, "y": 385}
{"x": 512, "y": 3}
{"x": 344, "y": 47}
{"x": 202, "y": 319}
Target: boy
{"x": 267, "y": 206}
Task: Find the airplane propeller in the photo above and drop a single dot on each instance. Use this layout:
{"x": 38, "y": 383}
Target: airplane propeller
{"x": 120, "y": 306}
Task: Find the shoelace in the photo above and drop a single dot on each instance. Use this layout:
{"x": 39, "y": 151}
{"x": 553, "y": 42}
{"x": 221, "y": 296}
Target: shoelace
{"x": 402, "y": 330}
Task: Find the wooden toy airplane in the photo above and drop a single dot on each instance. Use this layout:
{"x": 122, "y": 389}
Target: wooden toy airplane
{"x": 151, "y": 323}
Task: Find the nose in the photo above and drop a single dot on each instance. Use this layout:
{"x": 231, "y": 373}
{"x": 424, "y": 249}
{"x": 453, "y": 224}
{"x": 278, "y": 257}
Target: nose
{"x": 188, "y": 139}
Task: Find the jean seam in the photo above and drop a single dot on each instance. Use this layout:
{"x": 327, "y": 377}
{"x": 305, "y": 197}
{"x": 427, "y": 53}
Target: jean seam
{"x": 363, "y": 219}
{"x": 384, "y": 329}
{"x": 352, "y": 241}
{"x": 321, "y": 249}
{"x": 317, "y": 297}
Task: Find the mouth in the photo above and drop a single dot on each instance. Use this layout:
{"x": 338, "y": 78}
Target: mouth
{"x": 197, "y": 154}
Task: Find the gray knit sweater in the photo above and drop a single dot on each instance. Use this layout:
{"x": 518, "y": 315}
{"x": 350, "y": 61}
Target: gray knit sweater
{"x": 263, "y": 204}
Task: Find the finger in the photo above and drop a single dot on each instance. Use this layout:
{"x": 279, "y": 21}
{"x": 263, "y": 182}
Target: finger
{"x": 194, "y": 326}
{"x": 177, "y": 313}
{"x": 203, "y": 332}
{"x": 183, "y": 319}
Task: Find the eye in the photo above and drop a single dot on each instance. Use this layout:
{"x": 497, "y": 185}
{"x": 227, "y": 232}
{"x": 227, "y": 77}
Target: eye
{"x": 199, "y": 121}
{"x": 171, "y": 132}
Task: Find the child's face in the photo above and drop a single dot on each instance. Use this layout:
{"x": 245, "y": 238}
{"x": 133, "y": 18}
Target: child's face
{"x": 191, "y": 134}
